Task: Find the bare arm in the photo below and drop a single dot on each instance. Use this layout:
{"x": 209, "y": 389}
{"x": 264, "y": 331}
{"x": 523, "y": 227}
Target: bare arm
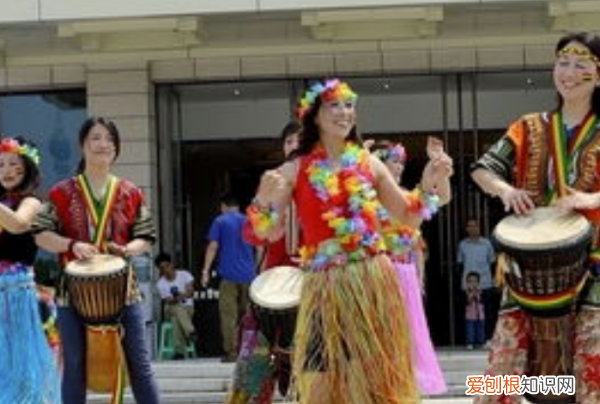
{"x": 19, "y": 221}
{"x": 390, "y": 194}
{"x": 275, "y": 189}
{"x": 513, "y": 198}
{"x": 51, "y": 241}
{"x": 209, "y": 258}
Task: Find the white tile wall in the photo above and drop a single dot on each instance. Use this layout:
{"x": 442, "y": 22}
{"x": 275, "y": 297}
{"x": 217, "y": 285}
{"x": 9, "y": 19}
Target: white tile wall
{"x": 311, "y": 65}
{"x": 124, "y": 82}
{"x": 501, "y": 57}
{"x": 222, "y": 67}
{"x": 453, "y": 59}
{"x": 172, "y": 70}
{"x": 68, "y": 75}
{"x": 29, "y": 76}
{"x": 407, "y": 61}
{"x": 268, "y": 66}
{"x": 119, "y": 105}
{"x": 358, "y": 62}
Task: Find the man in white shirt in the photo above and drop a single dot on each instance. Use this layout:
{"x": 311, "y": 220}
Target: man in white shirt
{"x": 176, "y": 289}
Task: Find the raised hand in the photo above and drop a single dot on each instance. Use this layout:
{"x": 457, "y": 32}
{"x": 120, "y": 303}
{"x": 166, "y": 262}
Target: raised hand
{"x": 273, "y": 185}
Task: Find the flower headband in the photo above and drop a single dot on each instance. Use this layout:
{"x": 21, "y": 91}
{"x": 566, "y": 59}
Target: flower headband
{"x": 578, "y": 51}
{"x": 330, "y": 90}
{"x": 10, "y": 145}
{"x": 393, "y": 151}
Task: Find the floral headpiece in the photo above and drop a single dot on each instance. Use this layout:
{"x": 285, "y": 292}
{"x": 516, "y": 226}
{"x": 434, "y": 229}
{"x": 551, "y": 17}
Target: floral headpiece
{"x": 10, "y": 145}
{"x": 578, "y": 51}
{"x": 330, "y": 90}
{"x": 393, "y": 151}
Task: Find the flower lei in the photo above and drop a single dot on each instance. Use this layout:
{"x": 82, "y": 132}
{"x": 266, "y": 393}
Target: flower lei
{"x": 423, "y": 203}
{"x": 352, "y": 209}
{"x": 396, "y": 151}
{"x": 329, "y": 90}
{"x": 399, "y": 238}
{"x": 10, "y": 145}
{"x": 263, "y": 219}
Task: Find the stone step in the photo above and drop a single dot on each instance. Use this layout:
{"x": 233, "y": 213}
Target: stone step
{"x": 207, "y": 380}
{"x": 219, "y": 398}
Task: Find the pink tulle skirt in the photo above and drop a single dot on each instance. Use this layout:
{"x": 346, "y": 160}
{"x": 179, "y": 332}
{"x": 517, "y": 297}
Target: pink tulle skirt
{"x": 430, "y": 377}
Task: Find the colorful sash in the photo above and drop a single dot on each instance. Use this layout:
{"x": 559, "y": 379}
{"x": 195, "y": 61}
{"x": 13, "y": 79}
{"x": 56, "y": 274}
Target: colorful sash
{"x": 99, "y": 211}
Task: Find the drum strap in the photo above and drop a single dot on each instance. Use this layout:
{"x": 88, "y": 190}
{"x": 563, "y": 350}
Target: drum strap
{"x": 99, "y": 211}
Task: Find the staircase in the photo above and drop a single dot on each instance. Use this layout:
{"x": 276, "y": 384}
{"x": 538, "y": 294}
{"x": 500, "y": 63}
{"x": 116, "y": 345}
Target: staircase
{"x": 208, "y": 380}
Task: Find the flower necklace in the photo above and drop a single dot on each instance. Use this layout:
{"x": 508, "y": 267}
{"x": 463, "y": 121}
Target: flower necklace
{"x": 352, "y": 210}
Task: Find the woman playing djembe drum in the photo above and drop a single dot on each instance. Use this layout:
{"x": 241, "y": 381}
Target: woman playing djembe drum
{"x": 525, "y": 173}
{"x": 27, "y": 363}
{"x": 351, "y": 342}
{"x": 91, "y": 213}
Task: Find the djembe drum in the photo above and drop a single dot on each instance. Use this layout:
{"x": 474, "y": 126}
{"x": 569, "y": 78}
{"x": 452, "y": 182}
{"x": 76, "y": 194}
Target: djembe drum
{"x": 545, "y": 270}
{"x": 98, "y": 291}
{"x": 276, "y": 295}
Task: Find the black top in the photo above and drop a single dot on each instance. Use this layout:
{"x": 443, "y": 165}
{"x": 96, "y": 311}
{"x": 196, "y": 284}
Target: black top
{"x": 17, "y": 247}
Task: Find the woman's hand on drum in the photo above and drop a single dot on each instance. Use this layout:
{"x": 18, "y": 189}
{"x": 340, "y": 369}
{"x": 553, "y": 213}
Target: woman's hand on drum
{"x": 519, "y": 200}
{"x": 578, "y": 200}
{"x": 82, "y": 250}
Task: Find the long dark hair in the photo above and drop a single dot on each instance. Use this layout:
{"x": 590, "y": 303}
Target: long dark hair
{"x": 592, "y": 42}
{"x": 309, "y": 135}
{"x": 31, "y": 178}
{"x": 84, "y": 132}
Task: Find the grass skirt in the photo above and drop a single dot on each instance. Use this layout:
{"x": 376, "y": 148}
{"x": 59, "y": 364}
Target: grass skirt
{"x": 352, "y": 340}
{"x": 27, "y": 364}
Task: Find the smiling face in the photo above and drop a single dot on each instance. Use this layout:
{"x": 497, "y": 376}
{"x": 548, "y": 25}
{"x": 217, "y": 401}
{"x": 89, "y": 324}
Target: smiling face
{"x": 575, "y": 73}
{"x": 99, "y": 146}
{"x": 12, "y": 170}
{"x": 337, "y": 117}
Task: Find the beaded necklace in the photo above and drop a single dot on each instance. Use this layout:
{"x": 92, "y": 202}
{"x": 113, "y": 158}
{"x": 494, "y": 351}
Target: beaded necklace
{"x": 352, "y": 210}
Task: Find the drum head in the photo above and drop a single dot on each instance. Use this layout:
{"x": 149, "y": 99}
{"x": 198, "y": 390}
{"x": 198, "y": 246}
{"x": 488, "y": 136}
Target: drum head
{"x": 277, "y": 288}
{"x": 544, "y": 228}
{"x": 98, "y": 265}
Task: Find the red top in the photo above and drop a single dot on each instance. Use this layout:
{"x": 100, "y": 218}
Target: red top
{"x": 129, "y": 218}
{"x": 310, "y": 208}
{"x": 276, "y": 251}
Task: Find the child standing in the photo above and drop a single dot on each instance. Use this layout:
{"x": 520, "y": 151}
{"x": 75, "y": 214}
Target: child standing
{"x": 474, "y": 312}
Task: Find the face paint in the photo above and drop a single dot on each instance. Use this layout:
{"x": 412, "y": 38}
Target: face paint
{"x": 587, "y": 77}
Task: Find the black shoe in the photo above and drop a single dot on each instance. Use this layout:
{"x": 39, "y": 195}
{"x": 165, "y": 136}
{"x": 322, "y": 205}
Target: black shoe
{"x": 178, "y": 357}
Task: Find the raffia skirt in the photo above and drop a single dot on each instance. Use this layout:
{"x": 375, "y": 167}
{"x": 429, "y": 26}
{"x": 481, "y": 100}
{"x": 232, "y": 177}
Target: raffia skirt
{"x": 352, "y": 339}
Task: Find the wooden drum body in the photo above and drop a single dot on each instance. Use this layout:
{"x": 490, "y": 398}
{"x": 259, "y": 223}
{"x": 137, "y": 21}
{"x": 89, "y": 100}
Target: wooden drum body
{"x": 545, "y": 270}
